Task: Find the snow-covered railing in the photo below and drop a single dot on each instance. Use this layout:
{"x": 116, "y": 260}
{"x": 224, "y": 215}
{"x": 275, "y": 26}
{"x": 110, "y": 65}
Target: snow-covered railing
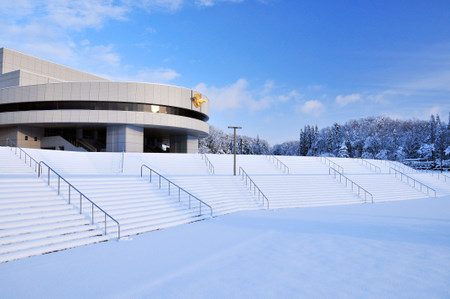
{"x": 170, "y": 183}
{"x": 251, "y": 183}
{"x": 331, "y": 164}
{"x": 369, "y": 165}
{"x": 279, "y": 164}
{"x": 399, "y": 166}
{"x": 354, "y": 186}
{"x": 208, "y": 163}
{"x": 12, "y": 144}
{"x": 439, "y": 175}
{"x": 415, "y": 183}
{"x": 81, "y": 196}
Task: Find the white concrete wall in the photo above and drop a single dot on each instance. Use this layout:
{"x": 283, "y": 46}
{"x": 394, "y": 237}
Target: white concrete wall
{"x": 13, "y": 60}
{"x": 10, "y": 79}
{"x": 125, "y": 138}
{"x": 105, "y": 91}
{"x": 146, "y": 93}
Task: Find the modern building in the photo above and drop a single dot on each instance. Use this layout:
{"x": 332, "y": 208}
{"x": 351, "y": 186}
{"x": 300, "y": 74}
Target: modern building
{"x": 50, "y": 106}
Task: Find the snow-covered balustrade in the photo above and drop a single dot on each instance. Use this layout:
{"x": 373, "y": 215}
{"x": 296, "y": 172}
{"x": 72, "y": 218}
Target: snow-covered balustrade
{"x": 178, "y": 190}
{"x": 81, "y": 196}
{"x": 34, "y": 220}
{"x": 208, "y": 163}
{"x": 412, "y": 182}
{"x": 330, "y": 163}
{"x": 18, "y": 151}
{"x": 256, "y": 190}
{"x": 369, "y": 165}
{"x": 440, "y": 176}
{"x": 279, "y": 164}
{"x": 349, "y": 183}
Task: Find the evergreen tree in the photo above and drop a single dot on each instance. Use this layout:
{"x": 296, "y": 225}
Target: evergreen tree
{"x": 343, "y": 151}
{"x": 432, "y": 135}
{"x": 440, "y": 141}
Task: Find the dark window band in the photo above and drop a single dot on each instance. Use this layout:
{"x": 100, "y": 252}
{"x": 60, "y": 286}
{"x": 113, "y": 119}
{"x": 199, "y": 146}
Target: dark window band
{"x": 89, "y": 105}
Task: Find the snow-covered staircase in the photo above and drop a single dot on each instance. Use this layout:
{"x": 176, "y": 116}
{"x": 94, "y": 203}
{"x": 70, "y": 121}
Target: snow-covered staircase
{"x": 225, "y": 193}
{"x": 290, "y": 191}
{"x": 442, "y": 187}
{"x": 223, "y": 164}
{"x": 304, "y": 165}
{"x": 175, "y": 164}
{"x": 352, "y": 166}
{"x": 33, "y": 219}
{"x": 385, "y": 187}
{"x": 138, "y": 205}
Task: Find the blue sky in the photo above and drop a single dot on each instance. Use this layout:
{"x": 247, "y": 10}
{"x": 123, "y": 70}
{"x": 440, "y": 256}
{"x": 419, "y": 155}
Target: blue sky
{"x": 270, "y": 66}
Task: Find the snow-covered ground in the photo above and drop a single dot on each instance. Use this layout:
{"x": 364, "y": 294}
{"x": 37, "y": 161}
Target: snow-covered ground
{"x": 394, "y": 249}
{"x": 339, "y": 248}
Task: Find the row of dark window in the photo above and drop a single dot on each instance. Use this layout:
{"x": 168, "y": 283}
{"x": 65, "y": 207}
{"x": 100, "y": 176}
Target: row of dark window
{"x": 89, "y": 105}
{"x": 35, "y": 138}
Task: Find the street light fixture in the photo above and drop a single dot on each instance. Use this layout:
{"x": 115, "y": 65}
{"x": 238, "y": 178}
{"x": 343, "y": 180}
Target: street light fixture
{"x": 230, "y": 127}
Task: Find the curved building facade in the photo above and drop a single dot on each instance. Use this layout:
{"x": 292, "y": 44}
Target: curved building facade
{"x": 45, "y": 105}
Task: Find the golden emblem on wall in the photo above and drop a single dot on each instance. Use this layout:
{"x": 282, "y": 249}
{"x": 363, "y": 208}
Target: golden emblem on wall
{"x": 198, "y": 101}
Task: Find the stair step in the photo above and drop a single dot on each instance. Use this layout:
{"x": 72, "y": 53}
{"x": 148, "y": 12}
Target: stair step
{"x": 51, "y": 248}
{"x": 48, "y": 241}
{"x": 41, "y": 227}
{"x": 44, "y": 234}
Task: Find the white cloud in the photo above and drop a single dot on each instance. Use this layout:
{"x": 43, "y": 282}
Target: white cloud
{"x": 292, "y": 95}
{"x": 46, "y": 28}
{"x": 439, "y": 81}
{"x": 269, "y": 85}
{"x": 159, "y": 75}
{"x": 270, "y": 98}
{"x": 313, "y": 107}
{"x": 104, "y": 54}
{"x": 435, "y": 110}
{"x": 238, "y": 95}
{"x": 227, "y": 97}
{"x": 79, "y": 14}
{"x": 214, "y": 2}
{"x": 345, "y": 100}
{"x": 152, "y": 5}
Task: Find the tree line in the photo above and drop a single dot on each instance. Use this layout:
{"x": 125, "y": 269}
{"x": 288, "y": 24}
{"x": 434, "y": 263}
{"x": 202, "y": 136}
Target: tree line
{"x": 371, "y": 138}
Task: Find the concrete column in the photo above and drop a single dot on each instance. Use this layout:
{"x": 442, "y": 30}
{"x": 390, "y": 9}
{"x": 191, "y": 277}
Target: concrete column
{"x": 184, "y": 144}
{"x": 125, "y": 137}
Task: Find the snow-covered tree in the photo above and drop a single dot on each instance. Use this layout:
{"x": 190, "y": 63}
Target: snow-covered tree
{"x": 426, "y": 151}
{"x": 343, "y": 151}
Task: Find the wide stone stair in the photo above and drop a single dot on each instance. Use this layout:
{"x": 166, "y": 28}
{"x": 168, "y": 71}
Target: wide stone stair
{"x": 138, "y": 205}
{"x": 34, "y": 220}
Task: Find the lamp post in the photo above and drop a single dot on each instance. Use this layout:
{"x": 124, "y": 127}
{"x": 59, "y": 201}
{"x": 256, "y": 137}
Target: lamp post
{"x": 230, "y": 127}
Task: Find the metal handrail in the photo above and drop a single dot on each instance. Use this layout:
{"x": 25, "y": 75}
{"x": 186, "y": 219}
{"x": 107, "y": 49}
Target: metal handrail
{"x": 26, "y": 155}
{"x": 280, "y": 164}
{"x": 370, "y": 165}
{"x": 248, "y": 180}
{"x": 397, "y": 165}
{"x": 81, "y": 196}
{"x": 208, "y": 163}
{"x": 179, "y": 189}
{"x": 408, "y": 179}
{"x": 341, "y": 175}
{"x": 439, "y": 175}
{"x": 332, "y": 164}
